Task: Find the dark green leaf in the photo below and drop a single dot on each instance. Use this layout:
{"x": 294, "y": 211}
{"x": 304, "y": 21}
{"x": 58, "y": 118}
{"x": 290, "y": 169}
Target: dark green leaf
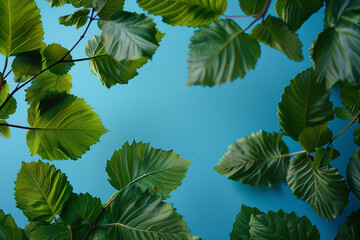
{"x": 192, "y": 13}
{"x": 256, "y": 159}
{"x": 343, "y": 113}
{"x": 8, "y": 228}
{"x": 353, "y": 173}
{"x": 53, "y": 53}
{"x": 106, "y": 8}
{"x": 350, "y": 230}
{"x": 304, "y": 103}
{"x": 241, "y": 226}
{"x": 57, "y": 3}
{"x": 356, "y": 134}
{"x": 324, "y": 157}
{"x": 350, "y": 96}
{"x": 32, "y": 226}
{"x": 41, "y": 191}
{"x": 323, "y": 189}
{"x": 221, "y": 52}
{"x": 27, "y": 63}
{"x": 51, "y": 232}
{"x": 81, "y": 3}
{"x": 276, "y": 34}
{"x": 4, "y": 130}
{"x": 315, "y": 137}
{"x": 78, "y": 18}
{"x": 251, "y": 7}
{"x": 62, "y": 136}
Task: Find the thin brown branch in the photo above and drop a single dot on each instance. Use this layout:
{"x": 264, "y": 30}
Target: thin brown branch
{"x": 342, "y": 131}
{"x": 260, "y": 16}
{"x": 292, "y": 154}
{"x": 17, "y": 126}
{"x": 240, "y": 16}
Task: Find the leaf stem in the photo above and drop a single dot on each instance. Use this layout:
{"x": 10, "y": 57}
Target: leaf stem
{"x": 292, "y": 154}
{"x": 261, "y": 15}
{"x": 240, "y": 16}
{"x": 17, "y": 126}
{"x": 84, "y": 59}
{"x": 342, "y": 131}
{"x": 3, "y": 72}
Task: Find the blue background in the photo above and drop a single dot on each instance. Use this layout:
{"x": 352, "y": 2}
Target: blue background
{"x": 199, "y": 123}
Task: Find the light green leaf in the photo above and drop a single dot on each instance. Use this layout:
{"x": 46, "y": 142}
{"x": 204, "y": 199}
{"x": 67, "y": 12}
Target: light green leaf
{"x": 53, "y": 53}
{"x": 20, "y": 27}
{"x": 51, "y": 232}
{"x": 8, "y": 109}
{"x": 353, "y": 173}
{"x": 136, "y": 214}
{"x": 295, "y": 12}
{"x": 41, "y": 191}
{"x": 350, "y": 230}
{"x": 196, "y": 238}
{"x": 251, "y": 7}
{"x": 78, "y": 18}
{"x": 281, "y": 225}
{"x": 8, "y": 228}
{"x": 106, "y": 8}
{"x": 129, "y": 36}
{"x": 27, "y": 63}
{"x": 356, "y": 134}
{"x": 276, "y": 34}
{"x": 4, "y": 92}
{"x": 4, "y": 130}
{"x": 257, "y": 159}
{"x": 304, "y": 103}
{"x": 64, "y": 127}
{"x": 315, "y": 137}
{"x": 324, "y": 157}
{"x": 336, "y": 51}
{"x": 157, "y": 170}
{"x": 241, "y": 226}
{"x": 349, "y": 95}
{"x": 192, "y": 13}
{"x": 106, "y": 68}
{"x": 323, "y": 189}
{"x": 220, "y": 53}
{"x": 57, "y": 3}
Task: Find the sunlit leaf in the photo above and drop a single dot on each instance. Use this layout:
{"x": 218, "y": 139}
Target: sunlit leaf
{"x": 106, "y": 8}
{"x": 4, "y": 130}
{"x": 241, "y": 226}
{"x": 78, "y": 18}
{"x": 8, "y": 228}
{"x": 8, "y": 109}
{"x": 350, "y": 230}
{"x": 53, "y": 53}
{"x": 315, "y": 137}
{"x": 353, "y": 173}
{"x": 51, "y": 232}
{"x": 27, "y": 63}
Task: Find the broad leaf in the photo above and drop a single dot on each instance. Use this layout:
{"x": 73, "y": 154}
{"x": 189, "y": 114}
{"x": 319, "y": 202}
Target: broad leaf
{"x": 106, "y": 8}
{"x": 81, "y": 3}
{"x": 41, "y": 191}
{"x": 136, "y": 214}
{"x": 192, "y": 13}
{"x": 251, "y": 7}
{"x": 241, "y": 226}
{"x": 257, "y": 159}
{"x": 276, "y": 34}
{"x": 32, "y": 226}
{"x": 27, "y": 63}
{"x": 64, "y": 127}
{"x": 315, "y": 137}
{"x": 323, "y": 189}
{"x": 157, "y": 170}
{"x": 51, "y": 232}
{"x": 78, "y": 18}
{"x": 8, "y": 228}
{"x": 20, "y": 27}
{"x": 281, "y": 225}
{"x": 336, "y": 52}
{"x": 350, "y": 96}
{"x": 353, "y": 173}
{"x": 4, "y": 129}
{"x": 221, "y": 52}
{"x": 53, "y": 53}
{"x": 10, "y": 107}
{"x": 324, "y": 157}
{"x": 350, "y": 230}
{"x": 57, "y": 3}
{"x": 295, "y": 12}
{"x": 129, "y": 36}
{"x": 356, "y": 134}
{"x": 304, "y": 103}
{"x": 345, "y": 113}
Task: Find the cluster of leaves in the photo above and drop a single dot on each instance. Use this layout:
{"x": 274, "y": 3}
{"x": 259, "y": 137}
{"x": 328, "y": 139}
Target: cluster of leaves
{"x": 142, "y": 176}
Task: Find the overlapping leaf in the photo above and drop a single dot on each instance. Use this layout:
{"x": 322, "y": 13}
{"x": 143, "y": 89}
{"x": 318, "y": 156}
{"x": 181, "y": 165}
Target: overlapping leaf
{"x": 251, "y": 7}
{"x": 221, "y": 52}
{"x": 323, "y": 189}
{"x": 4, "y": 129}
{"x": 64, "y": 127}
{"x": 41, "y": 191}
{"x": 32, "y": 226}
{"x": 157, "y": 170}
{"x": 78, "y": 18}
{"x": 27, "y": 63}
{"x": 349, "y": 95}
{"x": 345, "y": 113}
{"x": 53, "y": 53}
{"x": 241, "y": 226}
{"x": 324, "y": 156}
{"x": 192, "y": 13}
{"x": 106, "y": 8}
{"x": 356, "y": 134}
{"x": 8, "y": 228}
{"x": 304, "y": 103}
{"x": 350, "y": 230}
{"x": 51, "y": 232}
{"x": 10, "y": 107}
{"x": 315, "y": 137}
{"x": 353, "y": 173}
{"x": 257, "y": 159}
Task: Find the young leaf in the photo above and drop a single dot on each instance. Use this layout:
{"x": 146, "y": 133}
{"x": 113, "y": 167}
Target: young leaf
{"x": 192, "y": 13}
{"x": 106, "y": 8}
{"x": 221, "y": 52}
{"x": 53, "y": 232}
{"x": 53, "y": 53}
{"x": 295, "y": 13}
{"x": 136, "y": 214}
{"x": 64, "y": 127}
{"x": 315, "y": 137}
{"x": 129, "y": 36}
{"x": 241, "y": 226}
{"x": 353, "y": 173}
{"x": 304, "y": 103}
{"x": 276, "y": 34}
{"x": 356, "y": 134}
{"x": 281, "y": 225}
{"x": 27, "y": 63}
{"x": 41, "y": 191}
{"x": 20, "y": 27}
{"x": 257, "y": 159}
{"x": 4, "y": 130}
{"x": 156, "y": 170}
{"x": 251, "y": 7}
{"x": 323, "y": 189}
{"x": 350, "y": 230}
{"x": 8, "y": 228}
{"x": 78, "y": 18}
{"x": 324, "y": 156}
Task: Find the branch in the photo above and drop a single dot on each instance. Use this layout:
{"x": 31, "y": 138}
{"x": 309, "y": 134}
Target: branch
{"x": 241, "y": 16}
{"x": 342, "y": 131}
{"x": 261, "y": 15}
{"x": 83, "y": 59}
{"x": 17, "y": 126}
{"x": 3, "y": 72}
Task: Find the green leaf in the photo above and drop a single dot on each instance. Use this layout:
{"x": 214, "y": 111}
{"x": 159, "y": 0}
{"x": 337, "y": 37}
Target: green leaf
{"x": 106, "y": 68}
{"x": 106, "y": 8}
{"x": 157, "y": 170}
{"x": 349, "y": 95}
{"x": 350, "y": 230}
{"x": 323, "y": 189}
{"x": 53, "y": 53}
{"x": 276, "y": 34}
{"x": 4, "y": 130}
{"x": 256, "y": 159}
{"x": 196, "y": 238}
{"x": 241, "y": 226}
{"x": 324, "y": 156}
{"x": 315, "y": 137}
{"x": 220, "y": 53}
{"x": 281, "y": 225}
{"x": 81, "y": 208}
{"x": 192, "y": 13}
{"x": 304, "y": 103}
{"x": 46, "y": 82}
{"x": 20, "y": 27}
{"x": 4, "y": 92}
{"x": 8, "y": 109}
{"x": 81, "y": 3}
{"x": 32, "y": 226}
{"x": 251, "y": 7}
{"x": 129, "y": 36}
{"x": 295, "y": 12}
{"x": 336, "y": 51}
{"x": 78, "y": 18}
{"x": 136, "y": 214}
{"x": 356, "y": 134}
{"x": 353, "y": 173}
{"x": 27, "y": 63}
{"x": 343, "y": 113}
{"x": 64, "y": 127}
{"x": 51, "y": 232}
{"x": 57, "y": 3}
{"x": 41, "y": 191}
{"x": 8, "y": 228}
